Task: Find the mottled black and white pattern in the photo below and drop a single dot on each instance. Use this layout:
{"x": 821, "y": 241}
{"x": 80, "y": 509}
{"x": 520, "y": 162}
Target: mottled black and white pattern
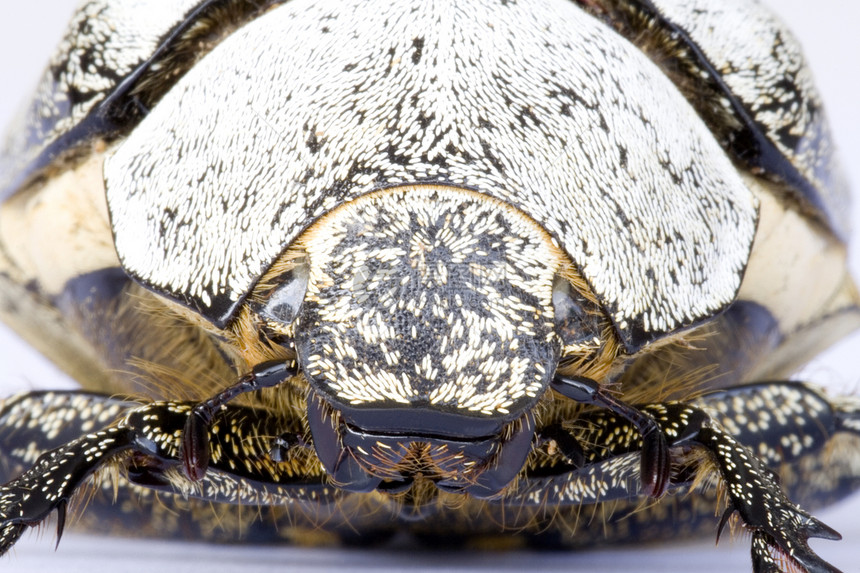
{"x": 762, "y": 64}
{"x": 105, "y": 41}
{"x": 538, "y": 105}
{"x": 430, "y": 296}
{"x": 432, "y": 180}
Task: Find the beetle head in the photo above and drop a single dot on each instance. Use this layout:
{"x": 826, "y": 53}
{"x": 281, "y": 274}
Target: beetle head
{"x": 426, "y": 313}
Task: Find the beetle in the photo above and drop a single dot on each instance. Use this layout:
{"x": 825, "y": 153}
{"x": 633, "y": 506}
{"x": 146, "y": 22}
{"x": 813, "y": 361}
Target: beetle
{"x": 362, "y": 414}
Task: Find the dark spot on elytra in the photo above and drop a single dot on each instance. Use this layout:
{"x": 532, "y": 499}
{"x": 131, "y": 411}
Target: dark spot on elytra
{"x": 312, "y": 142}
{"x": 417, "y": 50}
{"x": 622, "y": 155}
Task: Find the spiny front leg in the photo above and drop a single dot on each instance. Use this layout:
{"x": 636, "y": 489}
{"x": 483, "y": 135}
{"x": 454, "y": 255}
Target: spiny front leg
{"x": 597, "y": 461}
{"x": 63, "y": 422}
{"x": 256, "y": 459}
{"x": 777, "y": 524}
{"x": 54, "y": 478}
{"x": 654, "y": 462}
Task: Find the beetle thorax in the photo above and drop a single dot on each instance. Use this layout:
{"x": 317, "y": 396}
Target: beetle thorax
{"x": 429, "y": 298}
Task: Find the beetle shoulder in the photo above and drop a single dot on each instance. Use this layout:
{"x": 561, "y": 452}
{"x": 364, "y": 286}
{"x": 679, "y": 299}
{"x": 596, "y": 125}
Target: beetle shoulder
{"x": 114, "y": 63}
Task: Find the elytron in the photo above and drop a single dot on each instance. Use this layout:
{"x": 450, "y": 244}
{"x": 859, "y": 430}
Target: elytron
{"x": 465, "y": 270}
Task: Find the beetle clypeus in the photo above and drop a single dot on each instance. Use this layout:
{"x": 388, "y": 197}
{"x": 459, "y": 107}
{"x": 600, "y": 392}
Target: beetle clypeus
{"x": 432, "y": 236}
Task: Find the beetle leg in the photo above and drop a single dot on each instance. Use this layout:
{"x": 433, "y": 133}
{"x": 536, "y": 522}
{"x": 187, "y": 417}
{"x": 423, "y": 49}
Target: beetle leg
{"x": 144, "y": 441}
{"x": 56, "y": 475}
{"x": 39, "y": 421}
{"x": 786, "y": 420}
{"x": 242, "y": 466}
{"x": 566, "y": 445}
{"x": 654, "y": 460}
{"x": 754, "y": 492}
{"x": 195, "y": 443}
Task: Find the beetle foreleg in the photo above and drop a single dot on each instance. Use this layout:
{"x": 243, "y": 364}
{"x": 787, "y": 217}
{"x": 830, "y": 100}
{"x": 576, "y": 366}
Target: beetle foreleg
{"x": 754, "y": 492}
{"x": 654, "y": 459}
{"x": 256, "y": 458}
{"x": 53, "y": 479}
{"x": 195, "y": 442}
{"x": 62, "y": 422}
{"x": 785, "y": 421}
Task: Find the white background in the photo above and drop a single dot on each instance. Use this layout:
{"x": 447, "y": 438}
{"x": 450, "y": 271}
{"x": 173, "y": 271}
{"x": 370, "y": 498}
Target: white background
{"x": 827, "y": 29}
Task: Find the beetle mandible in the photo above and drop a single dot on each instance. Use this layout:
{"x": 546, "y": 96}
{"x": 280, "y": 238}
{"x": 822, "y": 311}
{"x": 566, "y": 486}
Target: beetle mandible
{"x": 399, "y": 256}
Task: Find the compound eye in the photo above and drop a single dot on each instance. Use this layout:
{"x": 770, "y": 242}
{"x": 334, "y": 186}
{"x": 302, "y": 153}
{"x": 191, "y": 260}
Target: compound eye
{"x": 578, "y": 321}
{"x": 285, "y": 301}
